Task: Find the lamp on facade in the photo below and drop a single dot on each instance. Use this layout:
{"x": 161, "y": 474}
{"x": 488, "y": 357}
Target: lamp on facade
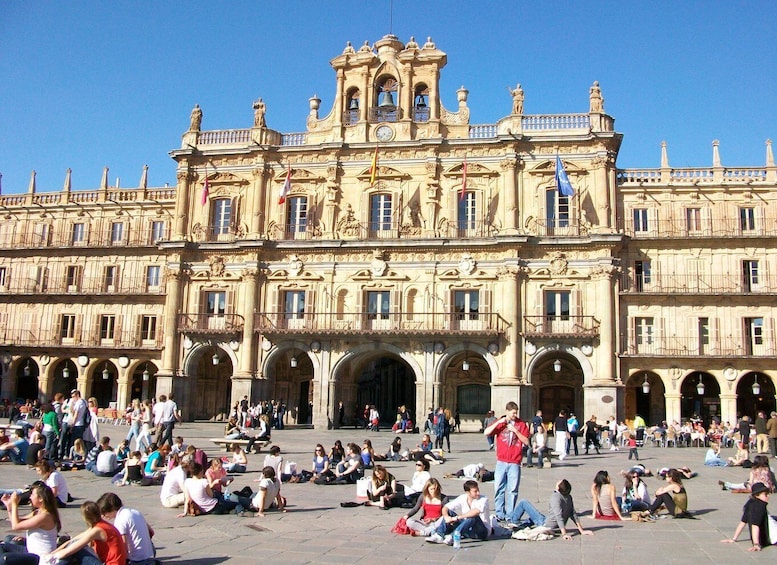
{"x": 756, "y": 386}
{"x": 146, "y": 374}
{"x": 700, "y": 387}
{"x": 557, "y": 366}
{"x": 293, "y": 361}
{"x": 66, "y": 373}
{"x": 27, "y": 369}
{"x": 646, "y": 385}
{"x": 215, "y": 359}
{"x": 106, "y": 373}
{"x": 465, "y": 365}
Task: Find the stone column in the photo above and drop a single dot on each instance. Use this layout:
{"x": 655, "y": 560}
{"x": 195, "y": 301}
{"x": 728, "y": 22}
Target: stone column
{"x": 45, "y": 381}
{"x": 605, "y": 310}
{"x": 185, "y": 181}
{"x": 339, "y": 93}
{"x": 164, "y": 383}
{"x": 124, "y": 385}
{"x": 509, "y": 309}
{"x": 672, "y": 406}
{"x": 508, "y": 167}
{"x": 728, "y": 407}
{"x": 247, "y": 309}
{"x": 256, "y": 205}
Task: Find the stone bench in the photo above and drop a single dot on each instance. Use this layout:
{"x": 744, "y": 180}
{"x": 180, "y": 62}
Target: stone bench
{"x": 228, "y": 443}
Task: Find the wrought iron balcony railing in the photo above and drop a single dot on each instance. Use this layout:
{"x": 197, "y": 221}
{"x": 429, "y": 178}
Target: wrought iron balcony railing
{"x": 560, "y": 326}
{"x": 80, "y": 338}
{"x": 695, "y": 346}
{"x": 91, "y": 286}
{"x": 216, "y": 324}
{"x": 699, "y": 284}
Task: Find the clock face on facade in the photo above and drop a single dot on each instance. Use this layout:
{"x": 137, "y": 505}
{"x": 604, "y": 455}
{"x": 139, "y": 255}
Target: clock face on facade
{"x": 384, "y": 133}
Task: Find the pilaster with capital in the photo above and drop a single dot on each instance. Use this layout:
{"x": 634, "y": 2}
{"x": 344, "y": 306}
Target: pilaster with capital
{"x": 174, "y": 283}
{"x": 508, "y": 167}
{"x": 339, "y": 89}
{"x": 255, "y": 201}
{"x": 728, "y": 407}
{"x": 605, "y": 309}
{"x": 510, "y": 309}
{"x": 673, "y": 404}
{"x": 248, "y": 307}
{"x": 185, "y": 180}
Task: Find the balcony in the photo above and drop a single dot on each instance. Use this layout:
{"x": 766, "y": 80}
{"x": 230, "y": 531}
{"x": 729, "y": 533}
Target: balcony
{"x": 91, "y": 286}
{"x": 210, "y": 324}
{"x": 87, "y": 239}
{"x": 80, "y": 339}
{"x": 215, "y": 234}
{"x": 708, "y": 228}
{"x": 699, "y": 284}
{"x": 554, "y": 327}
{"x": 384, "y": 114}
{"x": 395, "y": 323}
{"x": 729, "y": 346}
{"x": 551, "y": 227}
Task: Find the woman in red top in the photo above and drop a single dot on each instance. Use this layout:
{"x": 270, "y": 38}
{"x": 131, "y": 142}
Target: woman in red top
{"x": 430, "y": 503}
{"x": 107, "y": 545}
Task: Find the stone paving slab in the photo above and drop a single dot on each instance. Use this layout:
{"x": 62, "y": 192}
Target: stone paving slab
{"x": 317, "y": 530}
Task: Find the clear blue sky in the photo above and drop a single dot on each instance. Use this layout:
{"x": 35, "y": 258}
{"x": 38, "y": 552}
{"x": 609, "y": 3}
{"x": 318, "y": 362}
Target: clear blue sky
{"x": 89, "y": 84}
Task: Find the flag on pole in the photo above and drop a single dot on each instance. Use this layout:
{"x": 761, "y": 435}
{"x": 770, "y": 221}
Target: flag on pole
{"x": 463, "y": 181}
{"x": 286, "y": 188}
{"x": 205, "y": 190}
{"x": 562, "y": 180}
{"x": 374, "y": 167}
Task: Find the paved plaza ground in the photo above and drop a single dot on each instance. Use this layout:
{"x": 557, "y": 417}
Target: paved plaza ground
{"x": 317, "y": 530}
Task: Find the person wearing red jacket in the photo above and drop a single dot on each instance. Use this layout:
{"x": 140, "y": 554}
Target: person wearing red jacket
{"x": 510, "y": 434}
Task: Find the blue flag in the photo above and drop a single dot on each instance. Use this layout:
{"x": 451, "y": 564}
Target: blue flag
{"x": 562, "y": 180}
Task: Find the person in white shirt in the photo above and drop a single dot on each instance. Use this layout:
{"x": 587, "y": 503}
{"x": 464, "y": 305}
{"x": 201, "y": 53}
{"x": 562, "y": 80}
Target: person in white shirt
{"x": 172, "y": 494}
{"x": 54, "y": 480}
{"x": 468, "y": 514}
{"x": 169, "y": 417}
{"x": 106, "y": 464}
{"x": 132, "y": 526}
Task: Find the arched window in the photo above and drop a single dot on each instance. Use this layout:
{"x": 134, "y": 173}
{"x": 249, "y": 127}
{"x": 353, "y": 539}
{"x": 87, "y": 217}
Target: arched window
{"x": 352, "y": 105}
{"x": 385, "y": 107}
{"x": 421, "y": 104}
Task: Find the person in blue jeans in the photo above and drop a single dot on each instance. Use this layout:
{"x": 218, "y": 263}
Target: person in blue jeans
{"x": 16, "y": 448}
{"x": 561, "y": 509}
{"x": 510, "y": 435}
{"x": 468, "y": 514}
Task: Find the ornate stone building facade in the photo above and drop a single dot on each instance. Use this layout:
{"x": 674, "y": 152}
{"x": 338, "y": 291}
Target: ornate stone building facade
{"x": 396, "y": 254}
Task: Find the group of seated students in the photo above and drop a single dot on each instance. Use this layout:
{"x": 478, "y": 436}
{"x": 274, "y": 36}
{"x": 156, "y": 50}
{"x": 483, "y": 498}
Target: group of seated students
{"x": 115, "y": 534}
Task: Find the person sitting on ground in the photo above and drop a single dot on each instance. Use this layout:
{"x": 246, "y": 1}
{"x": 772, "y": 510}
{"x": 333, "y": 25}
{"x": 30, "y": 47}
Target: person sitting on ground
{"x": 712, "y": 457}
{"x": 217, "y": 475}
{"x": 759, "y": 473}
{"x": 55, "y": 481}
{"x": 420, "y": 477}
{"x": 429, "y": 503}
{"x": 132, "y": 526}
{"x": 106, "y": 464}
{"x": 239, "y": 462}
{"x": 200, "y": 498}
{"x": 424, "y": 450}
{"x": 106, "y": 542}
{"x": 394, "y": 452}
{"x": 635, "y": 495}
{"x": 605, "y": 505}
{"x": 91, "y": 458}
{"x": 320, "y": 464}
{"x": 122, "y": 452}
{"x": 561, "y": 508}
{"x": 41, "y": 525}
{"x": 368, "y": 454}
{"x": 77, "y": 457}
{"x": 474, "y": 471}
{"x": 36, "y": 450}
{"x": 172, "y": 494}
{"x": 755, "y": 516}
{"x": 178, "y": 446}
{"x": 133, "y": 470}
{"x": 539, "y": 446}
{"x": 672, "y": 496}
{"x": 267, "y": 496}
{"x": 274, "y": 460}
{"x": 337, "y": 453}
{"x": 347, "y": 471}
{"x": 742, "y": 455}
{"x": 155, "y": 464}
{"x": 15, "y": 449}
{"x": 383, "y": 491}
{"x": 468, "y": 514}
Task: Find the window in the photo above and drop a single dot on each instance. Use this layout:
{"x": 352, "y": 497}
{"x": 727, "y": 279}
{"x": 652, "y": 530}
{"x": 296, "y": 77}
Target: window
{"x": 148, "y": 328}
{"x": 294, "y": 308}
{"x": 73, "y": 277}
{"x": 473, "y": 399}
{"x": 644, "y": 331}
{"x": 556, "y": 210}
{"x": 110, "y": 279}
{"x": 117, "y": 233}
{"x": 641, "y": 275}
{"x": 380, "y": 213}
{"x": 467, "y": 222}
{"x": 107, "y": 327}
{"x": 153, "y": 277}
{"x": 466, "y": 303}
{"x": 79, "y": 234}
{"x": 378, "y": 305}
{"x": 747, "y": 219}
{"x": 557, "y": 307}
{"x": 693, "y": 219}
{"x": 157, "y": 231}
{"x": 222, "y": 216}
{"x": 704, "y": 335}
{"x": 640, "y": 219}
{"x": 215, "y": 308}
{"x": 3, "y": 276}
{"x": 68, "y": 326}
{"x": 754, "y": 334}
{"x": 296, "y": 215}
{"x": 750, "y": 277}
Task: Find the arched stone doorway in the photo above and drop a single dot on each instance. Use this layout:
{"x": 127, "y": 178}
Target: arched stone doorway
{"x": 466, "y": 389}
{"x": 293, "y": 385}
{"x": 385, "y": 381}
{"x": 750, "y": 403}
{"x": 704, "y": 404}
{"x": 64, "y": 380}
{"x": 558, "y": 385}
{"x": 141, "y": 388}
{"x": 27, "y": 372}
{"x": 650, "y": 405}
{"x": 104, "y": 384}
{"x": 209, "y": 391}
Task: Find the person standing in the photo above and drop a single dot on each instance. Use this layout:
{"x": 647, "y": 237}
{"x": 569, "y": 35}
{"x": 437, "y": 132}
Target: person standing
{"x": 489, "y": 419}
{"x": 591, "y": 435}
{"x": 78, "y": 416}
{"x": 340, "y": 414}
{"x": 771, "y": 429}
{"x": 170, "y": 416}
{"x": 761, "y": 435}
{"x": 510, "y": 434}
{"x": 561, "y": 434}
{"x": 243, "y": 410}
{"x": 744, "y": 429}
{"x": 572, "y": 427}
